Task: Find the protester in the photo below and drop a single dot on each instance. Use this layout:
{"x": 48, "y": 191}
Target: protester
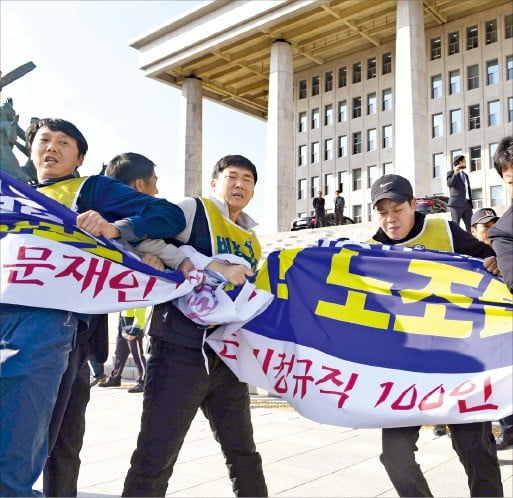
{"x": 460, "y": 193}
{"x": 43, "y": 339}
{"x": 393, "y": 200}
{"x": 184, "y": 373}
{"x": 501, "y": 238}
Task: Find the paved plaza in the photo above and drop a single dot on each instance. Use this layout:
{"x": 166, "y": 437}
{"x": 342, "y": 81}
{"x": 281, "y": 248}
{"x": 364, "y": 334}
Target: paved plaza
{"x": 301, "y": 457}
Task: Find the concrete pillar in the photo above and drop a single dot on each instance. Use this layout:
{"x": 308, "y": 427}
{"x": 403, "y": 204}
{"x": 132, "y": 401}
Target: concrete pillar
{"x": 280, "y": 195}
{"x": 411, "y": 98}
{"x": 189, "y": 161}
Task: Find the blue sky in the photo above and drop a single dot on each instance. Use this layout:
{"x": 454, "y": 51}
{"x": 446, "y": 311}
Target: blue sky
{"x": 87, "y": 73}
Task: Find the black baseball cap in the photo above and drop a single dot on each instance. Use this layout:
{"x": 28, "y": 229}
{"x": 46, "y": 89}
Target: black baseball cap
{"x": 393, "y": 187}
{"x": 483, "y": 215}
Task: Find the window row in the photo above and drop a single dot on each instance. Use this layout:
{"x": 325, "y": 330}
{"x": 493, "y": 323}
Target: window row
{"x": 474, "y": 118}
{"x": 474, "y": 159}
{"x": 472, "y": 81}
{"x": 342, "y": 145}
{"x": 315, "y": 88}
{"x": 342, "y": 110}
{"x": 329, "y": 187}
{"x": 471, "y": 37}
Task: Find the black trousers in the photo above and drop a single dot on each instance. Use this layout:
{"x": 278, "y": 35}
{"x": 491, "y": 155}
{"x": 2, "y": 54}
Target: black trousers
{"x": 124, "y": 347}
{"x": 177, "y": 384}
{"x": 465, "y": 213}
{"x": 474, "y": 443}
{"x": 67, "y": 427}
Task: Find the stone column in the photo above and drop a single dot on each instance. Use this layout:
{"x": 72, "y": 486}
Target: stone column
{"x": 280, "y": 179}
{"x": 410, "y": 100}
{"x": 189, "y": 167}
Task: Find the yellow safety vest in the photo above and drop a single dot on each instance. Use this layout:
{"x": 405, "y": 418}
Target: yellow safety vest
{"x": 65, "y": 192}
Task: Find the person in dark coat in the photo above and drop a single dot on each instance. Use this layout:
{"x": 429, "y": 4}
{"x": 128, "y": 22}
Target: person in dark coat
{"x": 460, "y": 193}
{"x": 320, "y": 211}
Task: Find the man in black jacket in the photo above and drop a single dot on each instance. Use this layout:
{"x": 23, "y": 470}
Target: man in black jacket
{"x": 320, "y": 212}
{"x": 501, "y": 237}
{"x": 393, "y": 201}
{"x": 460, "y": 194}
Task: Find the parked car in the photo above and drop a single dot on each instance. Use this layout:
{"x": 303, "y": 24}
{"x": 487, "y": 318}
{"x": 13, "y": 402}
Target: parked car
{"x": 432, "y": 204}
{"x": 310, "y": 222}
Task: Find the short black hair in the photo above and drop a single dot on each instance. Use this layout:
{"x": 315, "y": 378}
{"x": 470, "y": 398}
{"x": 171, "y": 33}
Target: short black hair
{"x": 56, "y": 124}
{"x": 234, "y": 160}
{"x": 129, "y": 166}
{"x": 503, "y": 157}
{"x": 457, "y": 160}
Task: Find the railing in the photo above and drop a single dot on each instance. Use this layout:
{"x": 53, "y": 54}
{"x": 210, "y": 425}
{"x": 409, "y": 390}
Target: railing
{"x": 474, "y": 122}
{"x": 472, "y": 42}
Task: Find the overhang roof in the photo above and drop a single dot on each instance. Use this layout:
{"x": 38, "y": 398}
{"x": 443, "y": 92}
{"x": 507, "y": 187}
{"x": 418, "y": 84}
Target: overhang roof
{"x": 227, "y": 44}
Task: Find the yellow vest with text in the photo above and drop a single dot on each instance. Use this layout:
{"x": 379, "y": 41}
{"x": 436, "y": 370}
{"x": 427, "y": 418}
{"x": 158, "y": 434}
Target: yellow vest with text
{"x": 435, "y": 234}
{"x": 65, "y": 192}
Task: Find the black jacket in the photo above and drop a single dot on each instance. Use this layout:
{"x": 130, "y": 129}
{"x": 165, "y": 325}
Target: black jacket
{"x": 457, "y": 189}
{"x": 464, "y": 242}
{"x": 501, "y": 236}
{"x": 318, "y": 203}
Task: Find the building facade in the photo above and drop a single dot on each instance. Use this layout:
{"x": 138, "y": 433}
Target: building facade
{"x": 345, "y": 119}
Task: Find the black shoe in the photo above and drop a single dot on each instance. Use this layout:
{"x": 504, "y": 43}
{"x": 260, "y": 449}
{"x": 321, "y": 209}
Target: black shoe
{"x": 440, "y": 430}
{"x": 138, "y": 388}
{"x": 111, "y": 382}
{"x": 504, "y": 442}
{"x": 95, "y": 380}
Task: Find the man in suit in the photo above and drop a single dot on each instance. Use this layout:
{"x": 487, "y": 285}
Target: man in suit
{"x": 460, "y": 194}
{"x": 320, "y": 212}
{"x": 340, "y": 203}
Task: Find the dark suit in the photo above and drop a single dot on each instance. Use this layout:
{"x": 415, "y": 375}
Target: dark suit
{"x": 501, "y": 236}
{"x": 460, "y": 206}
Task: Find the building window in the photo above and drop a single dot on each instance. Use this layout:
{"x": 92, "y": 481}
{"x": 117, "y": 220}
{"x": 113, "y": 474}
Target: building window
{"x": 371, "y": 103}
{"x": 387, "y": 136}
{"x": 372, "y": 138}
{"x": 301, "y": 189}
{"x": 496, "y": 195}
{"x": 436, "y": 86}
{"x": 477, "y": 198}
{"x": 315, "y": 152}
{"x": 387, "y": 99}
{"x": 472, "y": 37}
{"x": 315, "y": 118}
{"x": 372, "y": 175}
{"x": 491, "y": 31}
{"x": 302, "y": 89}
{"x": 342, "y": 76}
{"x": 386, "y": 63}
{"x": 474, "y": 117}
{"x": 315, "y": 85}
{"x": 494, "y": 113}
{"x": 301, "y": 160}
{"x": 454, "y": 42}
{"x": 454, "y": 82}
{"x": 437, "y": 125}
{"x": 509, "y": 67}
{"x": 357, "y": 72}
{"x": 508, "y": 26}
{"x": 302, "y": 122}
{"x": 492, "y": 72}
{"x": 357, "y": 107}
{"x": 436, "y": 48}
{"x": 371, "y": 68}
{"x": 455, "y": 121}
{"x": 438, "y": 164}
{"x": 388, "y": 168}
{"x": 357, "y": 142}
{"x": 357, "y": 179}
{"x": 328, "y": 149}
{"x": 473, "y": 77}
{"x": 328, "y": 184}
{"x": 369, "y": 211}
{"x": 328, "y": 81}
{"x": 342, "y": 111}
{"x": 342, "y": 180}
{"x": 357, "y": 213}
{"x": 510, "y": 109}
{"x": 491, "y": 151}
{"x": 314, "y": 186}
{"x": 328, "y": 115}
{"x": 342, "y": 146}
{"x": 475, "y": 158}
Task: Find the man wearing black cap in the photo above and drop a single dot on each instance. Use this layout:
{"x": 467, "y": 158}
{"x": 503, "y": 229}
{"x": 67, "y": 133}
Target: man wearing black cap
{"x": 482, "y": 220}
{"x": 460, "y": 193}
{"x": 393, "y": 200}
